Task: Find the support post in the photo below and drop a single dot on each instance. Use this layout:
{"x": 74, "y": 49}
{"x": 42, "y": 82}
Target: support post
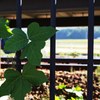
{"x": 90, "y": 50}
{"x": 18, "y": 25}
{"x": 52, "y": 51}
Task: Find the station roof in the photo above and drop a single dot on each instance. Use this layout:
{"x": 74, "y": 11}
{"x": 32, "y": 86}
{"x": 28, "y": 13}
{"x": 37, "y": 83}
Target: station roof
{"x": 33, "y": 9}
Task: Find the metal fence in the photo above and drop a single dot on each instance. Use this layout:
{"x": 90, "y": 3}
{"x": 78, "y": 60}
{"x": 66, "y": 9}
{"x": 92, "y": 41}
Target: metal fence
{"x": 90, "y": 50}
{"x": 90, "y": 60}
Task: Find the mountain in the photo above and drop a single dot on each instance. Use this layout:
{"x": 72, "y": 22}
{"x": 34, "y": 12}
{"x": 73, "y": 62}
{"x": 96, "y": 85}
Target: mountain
{"x": 76, "y": 33}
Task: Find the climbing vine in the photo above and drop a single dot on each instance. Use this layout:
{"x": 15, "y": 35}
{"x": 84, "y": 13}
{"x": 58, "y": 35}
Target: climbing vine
{"x": 18, "y": 84}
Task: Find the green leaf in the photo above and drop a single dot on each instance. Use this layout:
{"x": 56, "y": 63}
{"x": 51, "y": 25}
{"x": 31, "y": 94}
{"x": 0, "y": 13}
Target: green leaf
{"x": 37, "y": 33}
{"x": 5, "y": 31}
{"x": 57, "y": 97}
{"x": 4, "y": 21}
{"x": 32, "y": 30}
{"x": 15, "y": 85}
{"x": 17, "y": 41}
{"x": 77, "y": 88}
{"x": 61, "y": 86}
{"x": 21, "y": 87}
{"x": 33, "y": 76}
{"x": 72, "y": 98}
{"x": 45, "y": 33}
{"x": 33, "y": 52}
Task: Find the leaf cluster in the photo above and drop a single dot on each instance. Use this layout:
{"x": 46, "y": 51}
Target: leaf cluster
{"x": 74, "y": 93}
{"x": 4, "y": 28}
{"x": 61, "y": 86}
{"x": 77, "y": 91}
{"x": 30, "y": 44}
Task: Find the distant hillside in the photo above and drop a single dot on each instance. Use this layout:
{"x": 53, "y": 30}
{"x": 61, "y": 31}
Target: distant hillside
{"x": 76, "y": 33}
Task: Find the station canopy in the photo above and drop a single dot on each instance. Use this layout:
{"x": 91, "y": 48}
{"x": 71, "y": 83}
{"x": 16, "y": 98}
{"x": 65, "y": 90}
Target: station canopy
{"x": 33, "y": 9}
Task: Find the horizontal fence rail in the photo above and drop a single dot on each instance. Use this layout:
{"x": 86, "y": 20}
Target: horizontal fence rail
{"x": 58, "y": 60}
{"x": 61, "y": 64}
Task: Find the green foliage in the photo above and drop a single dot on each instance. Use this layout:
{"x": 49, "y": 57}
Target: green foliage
{"x": 30, "y": 44}
{"x": 17, "y": 41}
{"x": 35, "y": 77}
{"x": 18, "y": 84}
{"x": 59, "y": 98}
{"x": 74, "y": 54}
{"x": 74, "y": 93}
{"x": 77, "y": 91}
{"x": 97, "y": 54}
{"x": 61, "y": 86}
{"x": 15, "y": 85}
{"x": 97, "y": 70}
{"x": 38, "y": 34}
{"x": 4, "y": 28}
{"x": 31, "y": 49}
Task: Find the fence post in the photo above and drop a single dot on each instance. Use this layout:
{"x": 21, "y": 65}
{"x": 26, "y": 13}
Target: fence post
{"x": 52, "y": 51}
{"x": 90, "y": 50}
{"x": 18, "y": 25}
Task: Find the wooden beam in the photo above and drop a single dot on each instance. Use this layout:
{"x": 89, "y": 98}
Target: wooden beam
{"x": 61, "y": 22}
{"x": 44, "y": 5}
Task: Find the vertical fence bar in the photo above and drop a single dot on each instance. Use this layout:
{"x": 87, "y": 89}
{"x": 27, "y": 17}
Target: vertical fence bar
{"x": 52, "y": 52}
{"x": 90, "y": 50}
{"x": 18, "y": 25}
